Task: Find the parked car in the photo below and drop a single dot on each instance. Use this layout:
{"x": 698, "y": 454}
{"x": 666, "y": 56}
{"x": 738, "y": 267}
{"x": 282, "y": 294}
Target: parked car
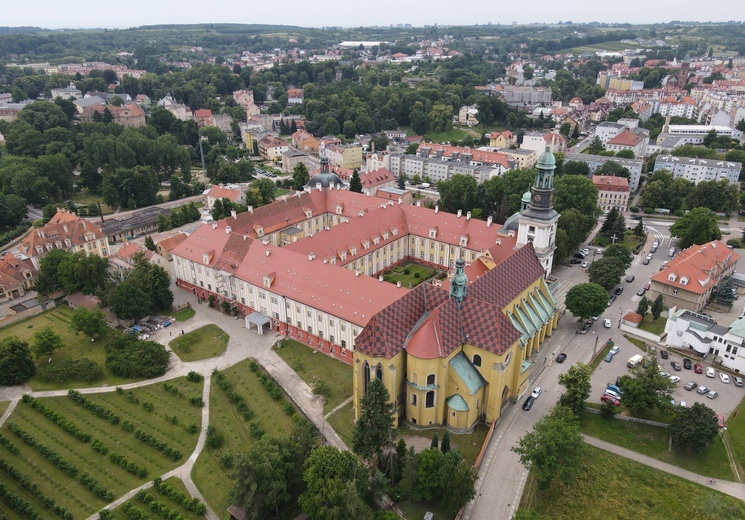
{"x": 687, "y": 363}
{"x": 561, "y": 357}
{"x": 724, "y": 377}
{"x": 737, "y": 380}
{"x": 671, "y": 253}
{"x": 536, "y": 392}
{"x": 599, "y": 251}
{"x": 664, "y": 374}
{"x": 607, "y": 324}
{"x": 702, "y": 390}
{"x": 683, "y": 404}
{"x": 611, "y": 299}
{"x": 613, "y": 394}
{"x": 585, "y": 264}
{"x": 664, "y": 264}
{"x": 630, "y": 278}
{"x": 583, "y": 329}
{"x": 575, "y": 261}
{"x": 579, "y": 256}
{"x": 676, "y": 366}
{"x": 690, "y": 385}
{"x": 698, "y": 368}
{"x": 618, "y": 291}
{"x": 710, "y": 372}
{"x": 663, "y": 354}
{"x": 615, "y": 388}
{"x": 720, "y": 421}
{"x": 610, "y": 399}
{"x": 712, "y": 394}
{"x": 674, "y": 379}
{"x": 647, "y": 286}
{"x": 615, "y": 350}
{"x": 646, "y": 260}
{"x": 640, "y": 292}
{"x": 528, "y": 404}
{"x": 608, "y": 357}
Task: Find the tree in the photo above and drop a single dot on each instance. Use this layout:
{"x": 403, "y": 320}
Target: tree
{"x": 646, "y": 388}
{"x": 576, "y": 380}
{"x": 13, "y": 210}
{"x": 445, "y": 444}
{"x": 620, "y": 251}
{"x": 129, "y": 302}
{"x": 88, "y": 321}
{"x": 374, "y": 431}
{"x": 625, "y": 154}
{"x": 639, "y": 229}
{"x": 435, "y": 441}
{"x": 16, "y": 365}
{"x": 458, "y": 193}
{"x": 149, "y": 243}
{"x": 300, "y": 177}
{"x": 267, "y": 188}
{"x": 694, "y": 428}
{"x": 46, "y": 341}
{"x": 586, "y": 299}
{"x": 576, "y": 168}
{"x": 355, "y": 184}
{"x": 606, "y": 272}
{"x": 726, "y": 292}
{"x": 610, "y": 220}
{"x": 642, "y": 307}
{"x": 553, "y": 448}
{"x": 126, "y": 356}
{"x": 401, "y": 182}
{"x": 720, "y": 196}
{"x": 577, "y": 192}
{"x": 458, "y": 482}
{"x": 596, "y": 146}
{"x": 698, "y": 226}
{"x": 657, "y": 307}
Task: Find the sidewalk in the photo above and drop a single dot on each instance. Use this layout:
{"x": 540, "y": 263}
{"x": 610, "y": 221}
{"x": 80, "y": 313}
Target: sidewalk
{"x": 732, "y": 489}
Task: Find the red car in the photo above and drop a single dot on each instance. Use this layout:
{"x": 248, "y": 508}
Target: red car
{"x": 720, "y": 420}
{"x": 698, "y": 368}
{"x": 611, "y": 399}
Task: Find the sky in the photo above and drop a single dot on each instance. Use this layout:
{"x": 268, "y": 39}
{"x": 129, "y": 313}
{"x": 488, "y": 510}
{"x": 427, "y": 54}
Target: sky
{"x": 350, "y": 13}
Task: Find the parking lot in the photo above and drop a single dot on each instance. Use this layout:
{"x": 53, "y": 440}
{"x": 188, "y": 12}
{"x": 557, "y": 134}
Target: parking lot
{"x": 729, "y": 395}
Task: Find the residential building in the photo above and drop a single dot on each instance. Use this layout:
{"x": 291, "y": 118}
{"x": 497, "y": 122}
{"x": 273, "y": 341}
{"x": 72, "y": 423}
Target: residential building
{"x": 688, "y": 281}
{"x": 271, "y": 148}
{"x": 17, "y": 275}
{"x": 204, "y": 117}
{"x": 64, "y": 231}
{"x": 628, "y": 139}
{"x": 130, "y": 116}
{"x": 292, "y": 157}
{"x": 468, "y": 115}
{"x": 613, "y": 192}
{"x": 294, "y": 96}
{"x": 697, "y": 170}
{"x": 304, "y": 141}
{"x": 372, "y": 181}
{"x": 517, "y": 95}
{"x": 522, "y": 158}
{"x": 165, "y": 246}
{"x": 244, "y": 98}
{"x": 596, "y": 161}
{"x": 233, "y": 192}
{"x": 68, "y": 92}
{"x": 607, "y": 130}
{"x": 344, "y": 156}
{"x": 179, "y": 111}
{"x": 136, "y": 223}
{"x": 501, "y": 139}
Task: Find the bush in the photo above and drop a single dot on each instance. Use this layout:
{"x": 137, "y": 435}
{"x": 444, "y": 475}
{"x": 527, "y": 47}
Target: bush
{"x": 607, "y": 410}
{"x": 194, "y": 377}
{"x": 128, "y": 426}
{"x": 50, "y": 455}
{"x": 215, "y": 439}
{"x": 26, "y": 483}
{"x": 253, "y": 365}
{"x": 71, "y": 370}
{"x": 288, "y": 409}
{"x": 159, "y": 508}
{"x": 196, "y": 401}
{"x": 322, "y": 388}
{"x": 192, "y": 429}
{"x": 5, "y": 443}
{"x": 634, "y": 209}
{"x": 148, "y": 406}
{"x": 171, "y": 389}
{"x": 17, "y": 503}
{"x": 128, "y": 465}
{"x": 679, "y": 213}
{"x": 105, "y": 514}
{"x": 127, "y": 356}
{"x": 227, "y": 460}
{"x": 56, "y": 418}
{"x": 407, "y": 271}
{"x": 158, "y": 445}
{"x": 95, "y": 409}
{"x": 191, "y": 504}
{"x": 417, "y": 275}
{"x": 257, "y": 430}
{"x": 735, "y": 242}
{"x": 96, "y": 487}
{"x": 100, "y": 447}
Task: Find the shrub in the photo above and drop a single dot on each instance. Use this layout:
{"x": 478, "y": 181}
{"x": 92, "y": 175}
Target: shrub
{"x": 417, "y": 275}
{"x": 227, "y": 460}
{"x": 96, "y": 487}
{"x": 128, "y": 426}
{"x": 322, "y": 388}
{"x": 634, "y": 209}
{"x": 71, "y": 370}
{"x": 253, "y": 365}
{"x": 159, "y": 508}
{"x": 158, "y": 445}
{"x": 127, "y": 356}
{"x": 105, "y": 514}
{"x": 196, "y": 401}
{"x": 679, "y": 213}
{"x": 171, "y": 389}
{"x": 47, "y": 453}
{"x": 34, "y": 490}
{"x": 191, "y": 504}
{"x": 148, "y": 406}
{"x": 192, "y": 429}
{"x": 56, "y": 418}
{"x": 257, "y": 430}
{"x": 288, "y": 409}
{"x": 100, "y": 447}
{"x": 128, "y": 465}
{"x": 735, "y": 242}
{"x": 134, "y": 513}
{"x": 215, "y": 439}
{"x": 194, "y": 377}
{"x": 95, "y": 409}
{"x": 407, "y": 271}
{"x": 8, "y": 445}
{"x": 17, "y": 503}
{"x": 120, "y": 390}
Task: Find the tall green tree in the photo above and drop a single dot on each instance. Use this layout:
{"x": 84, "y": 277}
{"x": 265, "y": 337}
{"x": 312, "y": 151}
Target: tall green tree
{"x": 726, "y": 292}
{"x": 619, "y": 251}
{"x": 577, "y": 192}
{"x": 46, "y": 341}
{"x": 646, "y": 388}
{"x": 355, "y": 184}
{"x": 374, "y": 431}
{"x": 657, "y": 307}
{"x": 16, "y": 365}
{"x": 586, "y": 299}
{"x": 606, "y": 272}
{"x": 129, "y": 302}
{"x": 643, "y": 306}
{"x": 553, "y": 448}
{"x": 300, "y": 177}
{"x": 458, "y": 193}
{"x": 698, "y": 226}
{"x": 576, "y": 380}
{"x": 90, "y": 322}
{"x": 694, "y": 428}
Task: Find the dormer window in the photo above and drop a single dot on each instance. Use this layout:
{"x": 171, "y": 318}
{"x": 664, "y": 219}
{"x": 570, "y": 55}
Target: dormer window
{"x": 260, "y": 231}
{"x": 433, "y": 233}
{"x": 672, "y": 277}
{"x": 308, "y": 213}
{"x": 463, "y": 241}
{"x": 39, "y": 249}
{"x": 58, "y": 244}
{"x": 366, "y": 245}
{"x": 394, "y": 231}
{"x": 385, "y": 236}
{"x": 67, "y": 242}
{"x": 683, "y": 280}
{"x": 343, "y": 256}
{"x": 339, "y": 209}
{"x": 353, "y": 251}
{"x": 376, "y": 240}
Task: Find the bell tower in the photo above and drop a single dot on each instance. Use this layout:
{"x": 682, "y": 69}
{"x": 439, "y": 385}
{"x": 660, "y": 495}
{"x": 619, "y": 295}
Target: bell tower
{"x": 538, "y": 220}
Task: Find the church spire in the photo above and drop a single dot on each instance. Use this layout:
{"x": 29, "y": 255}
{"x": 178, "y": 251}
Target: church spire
{"x": 458, "y": 282}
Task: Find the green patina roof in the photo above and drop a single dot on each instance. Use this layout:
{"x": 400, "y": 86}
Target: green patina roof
{"x": 546, "y": 161}
{"x": 539, "y": 308}
{"x": 526, "y": 321}
{"x": 519, "y": 327}
{"x": 457, "y": 403}
{"x": 738, "y": 327}
{"x": 526, "y": 196}
{"x": 467, "y": 373}
{"x": 550, "y": 305}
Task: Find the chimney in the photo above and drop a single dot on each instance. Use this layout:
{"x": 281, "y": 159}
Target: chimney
{"x": 398, "y": 284}
{"x": 499, "y": 241}
{"x": 214, "y": 225}
{"x": 437, "y": 208}
{"x": 311, "y": 256}
{"x": 468, "y": 216}
{"x": 356, "y": 272}
{"x": 380, "y": 278}
{"x": 460, "y": 213}
{"x": 64, "y": 226}
{"x": 419, "y": 204}
{"x": 245, "y": 237}
{"x": 488, "y": 221}
{"x": 233, "y": 213}
{"x": 250, "y": 209}
{"x": 267, "y": 252}
{"x": 228, "y": 229}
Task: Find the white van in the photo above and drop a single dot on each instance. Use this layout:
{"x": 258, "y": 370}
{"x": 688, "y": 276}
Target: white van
{"x": 634, "y": 360}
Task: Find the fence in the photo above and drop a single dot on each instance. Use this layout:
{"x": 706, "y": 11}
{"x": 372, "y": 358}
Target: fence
{"x": 631, "y": 419}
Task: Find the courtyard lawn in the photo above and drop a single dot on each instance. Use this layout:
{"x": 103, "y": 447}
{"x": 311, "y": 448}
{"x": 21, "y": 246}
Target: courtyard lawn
{"x": 653, "y": 442}
{"x": 399, "y": 274}
{"x": 609, "y": 486}
{"x": 76, "y": 347}
{"x": 171, "y": 420}
{"x": 212, "y": 477}
{"x": 175, "y": 483}
{"x": 313, "y": 367}
{"x": 203, "y": 343}
{"x": 454, "y": 134}
{"x": 342, "y": 421}
{"x": 656, "y": 327}
{"x": 184, "y": 314}
{"x": 629, "y": 240}
{"x": 469, "y": 444}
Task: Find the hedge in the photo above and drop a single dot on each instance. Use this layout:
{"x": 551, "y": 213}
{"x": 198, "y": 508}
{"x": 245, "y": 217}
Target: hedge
{"x": 71, "y": 370}
{"x": 95, "y": 409}
{"x": 5, "y": 442}
{"x": 124, "y": 462}
{"x": 34, "y": 490}
{"x": 96, "y": 487}
{"x": 47, "y": 453}
{"x": 126, "y": 356}
{"x": 233, "y": 396}
{"x": 158, "y": 445}
{"x": 56, "y": 418}
{"x": 159, "y": 508}
{"x": 191, "y": 504}
{"x": 18, "y": 503}
{"x": 134, "y": 513}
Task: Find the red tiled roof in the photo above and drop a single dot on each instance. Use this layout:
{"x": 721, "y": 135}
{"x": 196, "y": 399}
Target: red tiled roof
{"x": 698, "y": 268}
{"x": 63, "y": 225}
{"x": 626, "y": 137}
{"x": 169, "y": 243}
{"x": 476, "y": 155}
{"x": 220, "y": 192}
{"x": 376, "y": 178}
{"x": 610, "y": 183}
{"x": 202, "y": 113}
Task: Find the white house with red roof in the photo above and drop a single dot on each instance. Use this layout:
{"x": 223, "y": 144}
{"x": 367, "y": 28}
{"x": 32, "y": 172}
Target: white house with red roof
{"x": 372, "y": 181}
{"x": 613, "y": 192}
{"x": 295, "y": 96}
{"x": 232, "y": 192}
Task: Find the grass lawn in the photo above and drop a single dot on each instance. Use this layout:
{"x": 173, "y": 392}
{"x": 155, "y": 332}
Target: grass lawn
{"x": 167, "y": 422}
{"x": 639, "y": 343}
{"x": 76, "y": 347}
{"x": 211, "y": 477}
{"x": 398, "y": 274}
{"x": 416, "y": 510}
{"x": 469, "y": 444}
{"x": 735, "y": 434}
{"x": 84, "y": 197}
{"x": 205, "y": 342}
{"x": 4, "y": 406}
{"x": 603, "y": 350}
{"x": 608, "y": 486}
{"x": 653, "y": 442}
{"x": 175, "y": 483}
{"x": 312, "y": 367}
{"x": 184, "y": 314}
{"x": 454, "y": 134}
{"x": 657, "y": 327}
{"x": 342, "y": 421}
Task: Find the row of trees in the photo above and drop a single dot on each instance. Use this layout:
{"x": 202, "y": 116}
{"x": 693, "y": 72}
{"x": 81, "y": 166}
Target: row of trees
{"x": 662, "y": 191}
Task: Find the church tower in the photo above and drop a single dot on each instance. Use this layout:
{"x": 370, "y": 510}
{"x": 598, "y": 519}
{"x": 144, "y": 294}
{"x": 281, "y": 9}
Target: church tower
{"x": 537, "y": 222}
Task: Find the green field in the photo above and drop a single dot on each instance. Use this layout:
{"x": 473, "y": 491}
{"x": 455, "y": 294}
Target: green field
{"x": 454, "y": 134}
{"x": 203, "y": 343}
{"x": 168, "y": 421}
{"x": 735, "y": 436}
{"x": 398, "y": 274}
{"x": 342, "y": 421}
{"x": 653, "y": 442}
{"x": 175, "y": 483}
{"x": 211, "y": 477}
{"x": 76, "y": 347}
{"x": 609, "y": 486}
{"x": 313, "y": 367}
{"x": 184, "y": 314}
{"x": 655, "y": 327}
{"x": 4, "y": 406}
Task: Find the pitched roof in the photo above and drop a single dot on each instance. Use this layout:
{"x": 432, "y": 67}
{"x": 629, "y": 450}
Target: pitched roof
{"x": 626, "y": 137}
{"x": 697, "y": 268}
{"x": 221, "y": 192}
{"x": 610, "y": 183}
{"x": 170, "y": 243}
{"x": 62, "y": 227}
{"x": 376, "y": 178}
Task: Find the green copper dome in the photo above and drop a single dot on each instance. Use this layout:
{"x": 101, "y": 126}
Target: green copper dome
{"x": 526, "y": 196}
{"x": 546, "y": 161}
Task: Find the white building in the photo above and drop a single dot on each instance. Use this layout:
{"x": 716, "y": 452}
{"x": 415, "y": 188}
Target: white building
{"x": 697, "y": 170}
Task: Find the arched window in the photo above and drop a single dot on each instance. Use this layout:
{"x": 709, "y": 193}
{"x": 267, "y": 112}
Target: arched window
{"x": 365, "y": 376}
{"x": 476, "y": 360}
{"x": 508, "y": 359}
{"x": 430, "y": 379}
{"x": 430, "y": 399}
{"x": 413, "y": 399}
{"x": 379, "y": 372}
